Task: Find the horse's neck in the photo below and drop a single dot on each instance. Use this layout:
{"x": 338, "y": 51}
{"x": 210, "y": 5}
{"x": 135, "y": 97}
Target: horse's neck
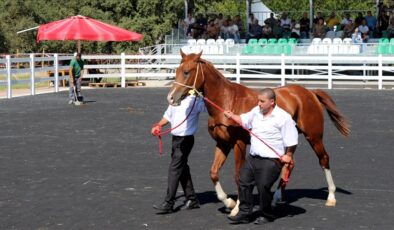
{"x": 225, "y": 94}
{"x": 217, "y": 88}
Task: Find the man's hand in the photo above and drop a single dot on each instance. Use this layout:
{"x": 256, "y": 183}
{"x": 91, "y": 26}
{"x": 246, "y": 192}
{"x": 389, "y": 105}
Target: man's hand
{"x": 228, "y": 114}
{"x": 156, "y": 129}
{"x": 286, "y": 159}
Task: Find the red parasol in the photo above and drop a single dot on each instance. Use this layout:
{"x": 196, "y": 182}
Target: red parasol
{"x": 84, "y": 28}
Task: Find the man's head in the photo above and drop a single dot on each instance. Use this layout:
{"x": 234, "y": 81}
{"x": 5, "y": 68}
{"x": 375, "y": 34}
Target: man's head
{"x": 267, "y": 99}
{"x": 78, "y": 56}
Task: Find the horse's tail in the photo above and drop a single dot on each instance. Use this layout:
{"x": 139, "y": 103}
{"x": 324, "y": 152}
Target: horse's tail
{"x": 336, "y": 116}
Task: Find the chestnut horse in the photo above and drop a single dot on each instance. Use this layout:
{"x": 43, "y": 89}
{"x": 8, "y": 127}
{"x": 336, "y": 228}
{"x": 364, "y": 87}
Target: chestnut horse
{"x": 305, "y": 106}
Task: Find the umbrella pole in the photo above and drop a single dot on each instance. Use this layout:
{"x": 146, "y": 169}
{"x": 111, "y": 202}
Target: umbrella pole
{"x": 79, "y": 46}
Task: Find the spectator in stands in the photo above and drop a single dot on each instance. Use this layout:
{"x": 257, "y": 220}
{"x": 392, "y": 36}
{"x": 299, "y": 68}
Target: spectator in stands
{"x": 199, "y": 27}
{"x": 359, "y": 19}
{"x": 356, "y": 36}
{"x": 271, "y": 21}
{"x": 233, "y": 31}
{"x": 251, "y": 19}
{"x": 277, "y": 30}
{"x": 346, "y": 20}
{"x": 255, "y": 30}
{"x": 319, "y": 30}
{"x": 304, "y": 26}
{"x": 224, "y": 30}
{"x": 364, "y": 30}
{"x": 332, "y": 21}
{"x": 212, "y": 30}
{"x": 238, "y": 22}
{"x": 219, "y": 20}
{"x": 317, "y": 18}
{"x": 187, "y": 24}
{"x": 347, "y": 30}
{"x": 390, "y": 29}
{"x": 285, "y": 22}
{"x": 371, "y": 21}
{"x": 267, "y": 31}
{"x": 295, "y": 31}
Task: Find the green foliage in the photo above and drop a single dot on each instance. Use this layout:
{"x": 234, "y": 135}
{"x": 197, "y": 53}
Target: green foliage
{"x": 152, "y": 18}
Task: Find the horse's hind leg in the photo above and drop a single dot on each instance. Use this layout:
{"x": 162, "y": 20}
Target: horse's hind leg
{"x": 221, "y": 154}
{"x": 324, "y": 160}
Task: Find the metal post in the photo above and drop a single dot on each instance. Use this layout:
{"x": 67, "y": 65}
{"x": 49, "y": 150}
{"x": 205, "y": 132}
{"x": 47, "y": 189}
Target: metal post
{"x": 123, "y": 69}
{"x": 32, "y": 75}
{"x": 380, "y": 72}
{"x": 282, "y": 80}
{"x": 9, "y": 82}
{"x": 56, "y": 64}
{"x": 329, "y": 69}
{"x": 310, "y": 15}
{"x": 238, "y": 70}
{"x": 247, "y": 17}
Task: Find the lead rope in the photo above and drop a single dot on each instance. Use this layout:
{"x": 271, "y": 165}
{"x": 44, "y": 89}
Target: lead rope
{"x": 287, "y": 172}
{"x": 160, "y": 134}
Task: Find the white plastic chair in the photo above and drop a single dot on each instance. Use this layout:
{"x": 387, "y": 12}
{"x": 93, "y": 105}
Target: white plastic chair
{"x": 346, "y": 45}
{"x": 220, "y": 45}
{"x": 336, "y": 47}
{"x": 212, "y": 48}
{"x": 229, "y": 44}
{"x": 326, "y": 44}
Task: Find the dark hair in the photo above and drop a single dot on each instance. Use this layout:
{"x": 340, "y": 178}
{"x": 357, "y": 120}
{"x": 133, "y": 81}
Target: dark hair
{"x": 78, "y": 55}
{"x": 269, "y": 92}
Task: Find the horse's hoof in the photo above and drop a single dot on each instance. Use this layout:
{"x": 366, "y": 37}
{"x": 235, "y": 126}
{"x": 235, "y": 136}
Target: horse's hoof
{"x": 331, "y": 203}
{"x": 234, "y": 212}
{"x": 230, "y": 203}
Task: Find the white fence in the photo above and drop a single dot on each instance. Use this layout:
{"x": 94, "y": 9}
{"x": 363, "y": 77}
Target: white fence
{"x": 328, "y": 69}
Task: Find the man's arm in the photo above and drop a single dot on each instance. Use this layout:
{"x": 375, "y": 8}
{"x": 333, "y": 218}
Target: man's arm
{"x": 288, "y": 156}
{"x": 157, "y": 127}
{"x": 231, "y": 115}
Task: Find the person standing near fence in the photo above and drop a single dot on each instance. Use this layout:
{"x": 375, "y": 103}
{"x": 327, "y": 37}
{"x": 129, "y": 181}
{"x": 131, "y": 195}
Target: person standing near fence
{"x": 76, "y": 72}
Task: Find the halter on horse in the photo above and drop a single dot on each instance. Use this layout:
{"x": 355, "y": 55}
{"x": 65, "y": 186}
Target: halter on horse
{"x": 305, "y": 106}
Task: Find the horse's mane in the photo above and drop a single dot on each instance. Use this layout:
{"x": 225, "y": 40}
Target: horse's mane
{"x": 235, "y": 85}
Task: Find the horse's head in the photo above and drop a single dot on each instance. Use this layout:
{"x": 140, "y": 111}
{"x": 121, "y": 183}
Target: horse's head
{"x": 188, "y": 77}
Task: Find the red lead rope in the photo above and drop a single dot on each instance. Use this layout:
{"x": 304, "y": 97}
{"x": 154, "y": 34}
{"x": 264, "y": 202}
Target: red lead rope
{"x": 159, "y": 134}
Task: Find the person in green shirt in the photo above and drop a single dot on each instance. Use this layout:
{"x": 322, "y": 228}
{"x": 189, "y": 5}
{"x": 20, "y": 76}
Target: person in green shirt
{"x": 76, "y": 71}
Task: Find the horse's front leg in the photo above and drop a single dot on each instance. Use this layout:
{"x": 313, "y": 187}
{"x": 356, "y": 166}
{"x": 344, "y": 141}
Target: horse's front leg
{"x": 221, "y": 154}
{"x": 239, "y": 155}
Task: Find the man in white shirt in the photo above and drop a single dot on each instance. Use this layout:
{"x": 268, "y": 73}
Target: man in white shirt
{"x": 264, "y": 163}
{"x": 182, "y": 144}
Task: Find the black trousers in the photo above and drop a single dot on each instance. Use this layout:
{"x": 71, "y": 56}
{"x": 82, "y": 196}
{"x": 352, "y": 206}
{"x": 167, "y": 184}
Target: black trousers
{"x": 262, "y": 172}
{"x": 179, "y": 170}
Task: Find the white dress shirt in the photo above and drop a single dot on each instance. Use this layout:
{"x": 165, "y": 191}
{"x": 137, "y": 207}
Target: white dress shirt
{"x": 176, "y": 114}
{"x": 278, "y": 130}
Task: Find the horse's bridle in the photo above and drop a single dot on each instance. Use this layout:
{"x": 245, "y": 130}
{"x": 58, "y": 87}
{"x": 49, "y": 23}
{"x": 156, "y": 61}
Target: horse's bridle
{"x": 193, "y": 88}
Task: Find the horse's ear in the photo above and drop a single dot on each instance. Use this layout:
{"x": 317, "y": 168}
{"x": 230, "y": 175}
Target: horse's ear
{"x": 199, "y": 55}
{"x": 183, "y": 54}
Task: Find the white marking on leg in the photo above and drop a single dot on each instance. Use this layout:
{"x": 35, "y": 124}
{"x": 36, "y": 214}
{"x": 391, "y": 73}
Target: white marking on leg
{"x": 222, "y": 196}
{"x": 331, "y": 201}
{"x": 235, "y": 210}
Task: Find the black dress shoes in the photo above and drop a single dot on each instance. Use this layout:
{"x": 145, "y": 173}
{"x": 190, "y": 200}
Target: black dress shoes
{"x": 263, "y": 220}
{"x": 191, "y": 204}
{"x": 239, "y": 219}
{"x": 164, "y": 208}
